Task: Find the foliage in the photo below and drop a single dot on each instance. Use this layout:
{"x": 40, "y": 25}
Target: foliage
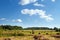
{"x": 37, "y": 28}
{"x": 57, "y": 29}
{"x": 9, "y": 27}
{"x": 32, "y": 31}
{"x": 18, "y": 34}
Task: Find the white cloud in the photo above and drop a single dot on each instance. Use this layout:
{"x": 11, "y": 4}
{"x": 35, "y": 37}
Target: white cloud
{"x": 47, "y": 17}
{"x": 37, "y": 4}
{"x": 2, "y": 18}
{"x": 53, "y": 0}
{"x": 25, "y": 2}
{"x": 27, "y": 11}
{"x": 41, "y": 13}
{"x": 18, "y": 20}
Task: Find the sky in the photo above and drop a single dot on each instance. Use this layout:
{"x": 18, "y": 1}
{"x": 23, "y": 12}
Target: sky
{"x": 30, "y": 13}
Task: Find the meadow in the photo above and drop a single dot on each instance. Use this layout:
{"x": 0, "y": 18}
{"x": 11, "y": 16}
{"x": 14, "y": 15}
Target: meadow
{"x": 27, "y": 34}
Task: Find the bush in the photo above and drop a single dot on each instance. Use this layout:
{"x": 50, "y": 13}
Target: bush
{"x": 18, "y": 34}
{"x": 57, "y": 33}
{"x": 14, "y": 34}
{"x": 46, "y": 33}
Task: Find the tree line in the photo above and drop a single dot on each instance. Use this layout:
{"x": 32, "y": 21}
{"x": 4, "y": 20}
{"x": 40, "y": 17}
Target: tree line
{"x": 9, "y": 27}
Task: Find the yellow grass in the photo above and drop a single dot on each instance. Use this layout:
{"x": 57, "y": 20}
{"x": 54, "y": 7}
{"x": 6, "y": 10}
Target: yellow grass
{"x": 27, "y": 32}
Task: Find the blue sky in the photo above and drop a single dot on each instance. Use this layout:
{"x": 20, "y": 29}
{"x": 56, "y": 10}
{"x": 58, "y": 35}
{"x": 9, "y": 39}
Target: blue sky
{"x": 30, "y": 13}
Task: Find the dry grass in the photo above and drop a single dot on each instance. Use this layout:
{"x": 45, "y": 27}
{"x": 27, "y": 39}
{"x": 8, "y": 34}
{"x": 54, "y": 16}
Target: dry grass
{"x": 29, "y": 38}
{"x": 27, "y": 32}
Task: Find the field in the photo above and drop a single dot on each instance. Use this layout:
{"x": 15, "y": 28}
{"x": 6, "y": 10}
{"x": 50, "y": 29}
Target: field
{"x": 27, "y": 34}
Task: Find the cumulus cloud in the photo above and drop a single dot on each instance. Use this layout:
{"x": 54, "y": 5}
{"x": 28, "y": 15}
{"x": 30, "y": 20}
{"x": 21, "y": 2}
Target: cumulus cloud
{"x": 2, "y": 18}
{"x": 27, "y": 11}
{"x": 37, "y": 4}
{"x": 25, "y": 2}
{"x": 17, "y": 20}
{"x": 14, "y": 20}
{"x": 47, "y": 17}
{"x": 41, "y": 13}
{"x": 53, "y": 0}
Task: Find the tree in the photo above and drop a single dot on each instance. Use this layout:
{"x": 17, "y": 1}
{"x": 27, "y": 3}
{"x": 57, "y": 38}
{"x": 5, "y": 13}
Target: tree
{"x": 32, "y": 31}
{"x": 56, "y": 29}
{"x": 9, "y": 27}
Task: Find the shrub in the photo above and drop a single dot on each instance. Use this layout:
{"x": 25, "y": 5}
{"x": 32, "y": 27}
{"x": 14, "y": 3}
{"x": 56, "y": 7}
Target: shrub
{"x": 14, "y": 34}
{"x": 18, "y": 34}
{"x": 32, "y": 31}
{"x": 57, "y": 33}
{"x": 46, "y": 33}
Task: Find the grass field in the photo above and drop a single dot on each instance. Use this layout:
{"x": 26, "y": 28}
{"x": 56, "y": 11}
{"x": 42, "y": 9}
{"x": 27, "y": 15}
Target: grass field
{"x": 27, "y": 34}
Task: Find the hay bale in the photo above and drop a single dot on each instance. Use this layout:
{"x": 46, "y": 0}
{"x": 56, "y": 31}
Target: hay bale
{"x": 56, "y": 36}
{"x": 43, "y": 38}
{"x": 7, "y": 39}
